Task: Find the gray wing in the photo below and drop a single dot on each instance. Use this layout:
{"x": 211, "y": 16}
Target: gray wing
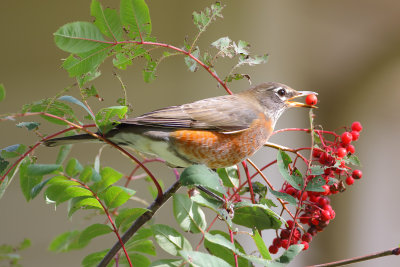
{"x": 223, "y": 113}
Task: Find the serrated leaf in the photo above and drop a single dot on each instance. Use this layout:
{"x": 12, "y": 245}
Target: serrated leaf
{"x": 86, "y": 174}
{"x": 85, "y": 202}
{"x": 215, "y": 205}
{"x": 256, "y": 216}
{"x": 200, "y": 259}
{"x": 73, "y": 167}
{"x": 13, "y": 151}
{"x": 65, "y": 242}
{"x": 62, "y": 191}
{"x": 203, "y": 19}
{"x": 315, "y": 185}
{"x": 28, "y": 125}
{"x": 88, "y": 77}
{"x": 124, "y": 58}
{"x": 107, "y": 20}
{"x": 283, "y": 161}
{"x": 78, "y": 37}
{"x": 109, "y": 176}
{"x": 169, "y": 239}
{"x": 42, "y": 169}
{"x": 86, "y": 63}
{"x": 353, "y": 159}
{"x": 127, "y": 216}
{"x": 150, "y": 69}
{"x": 53, "y": 107}
{"x": 252, "y": 61}
{"x": 73, "y": 100}
{"x": 93, "y": 259}
{"x": 229, "y": 176}
{"x": 135, "y": 16}
{"x": 143, "y": 246}
{"x": 188, "y": 214}
{"x": 104, "y": 118}
{"x": 115, "y": 196}
{"x": 37, "y": 188}
{"x": 27, "y": 182}
{"x": 317, "y": 170}
{"x": 2, "y": 92}
{"x": 190, "y": 62}
{"x": 223, "y": 252}
{"x": 262, "y": 248}
{"x": 93, "y": 231}
{"x": 287, "y": 256}
{"x": 286, "y": 197}
{"x": 201, "y": 175}
{"x": 225, "y": 47}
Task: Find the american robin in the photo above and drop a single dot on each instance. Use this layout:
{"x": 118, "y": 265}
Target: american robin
{"x": 218, "y": 132}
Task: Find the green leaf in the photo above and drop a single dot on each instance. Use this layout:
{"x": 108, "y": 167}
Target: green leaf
{"x": 93, "y": 231}
{"x": 137, "y": 260}
{"x": 127, "y": 216}
{"x": 201, "y": 175}
{"x": 26, "y": 243}
{"x": 3, "y": 164}
{"x": 229, "y": 176}
{"x": 115, "y": 196}
{"x": 27, "y": 182}
{"x": 286, "y": 197}
{"x": 169, "y": 239}
{"x": 190, "y": 62}
{"x": 135, "y": 16}
{"x": 142, "y": 234}
{"x": 222, "y": 252}
{"x": 28, "y": 125}
{"x": 251, "y": 61}
{"x": 316, "y": 184}
{"x": 37, "y": 188}
{"x": 200, "y": 259}
{"x": 94, "y": 259}
{"x": 283, "y": 161}
{"x": 87, "y": 77}
{"x": 109, "y": 176}
{"x": 317, "y": 170}
{"x": 89, "y": 92}
{"x": 167, "y": 263}
{"x": 202, "y": 19}
{"x": 354, "y": 160}
{"x": 104, "y": 117}
{"x": 124, "y": 58}
{"x": 225, "y": 47}
{"x": 64, "y": 190}
{"x": 150, "y": 69}
{"x": 143, "y": 246}
{"x": 53, "y": 107}
{"x": 84, "y": 202}
{"x": 10, "y": 176}
{"x": 215, "y": 205}
{"x": 78, "y": 37}
{"x": 73, "y": 100}
{"x": 87, "y": 174}
{"x": 287, "y": 256}
{"x": 87, "y": 63}
{"x": 13, "y": 151}
{"x": 73, "y": 167}
{"x": 65, "y": 242}
{"x": 256, "y": 216}
{"x": 42, "y": 169}
{"x": 188, "y": 214}
{"x": 107, "y": 21}
{"x": 262, "y": 248}
{"x": 2, "y": 92}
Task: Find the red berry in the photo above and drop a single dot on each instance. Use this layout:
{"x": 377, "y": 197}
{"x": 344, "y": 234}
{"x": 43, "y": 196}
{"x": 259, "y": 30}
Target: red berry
{"x": 316, "y": 152}
{"x": 306, "y": 245}
{"x": 312, "y": 230}
{"x": 311, "y": 100}
{"x": 285, "y": 234}
{"x": 327, "y": 190}
{"x": 277, "y": 242}
{"x": 341, "y": 152}
{"x": 355, "y": 135}
{"x": 285, "y": 243}
{"x": 306, "y": 237}
{"x": 290, "y": 224}
{"x": 357, "y": 174}
{"x": 356, "y": 126}
{"x": 322, "y": 201}
{"x": 273, "y": 249}
{"x": 325, "y": 215}
{"x": 291, "y": 191}
{"x": 351, "y": 149}
{"x": 346, "y": 138}
{"x": 302, "y": 196}
{"x": 314, "y": 221}
{"x": 349, "y": 180}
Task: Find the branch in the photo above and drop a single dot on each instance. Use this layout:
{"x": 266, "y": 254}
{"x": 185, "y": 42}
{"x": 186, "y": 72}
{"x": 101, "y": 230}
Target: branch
{"x": 139, "y": 223}
{"x": 393, "y": 251}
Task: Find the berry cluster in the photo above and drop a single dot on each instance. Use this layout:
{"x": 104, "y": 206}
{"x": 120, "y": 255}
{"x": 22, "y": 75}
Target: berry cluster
{"x": 334, "y": 157}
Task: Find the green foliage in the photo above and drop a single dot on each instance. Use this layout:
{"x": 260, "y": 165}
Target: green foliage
{"x": 9, "y": 254}
{"x": 204, "y": 18}
{"x": 201, "y": 175}
{"x": 229, "y": 176}
{"x": 28, "y": 125}
{"x": 104, "y": 117}
{"x": 256, "y": 216}
{"x": 2, "y": 92}
{"x": 188, "y": 214}
{"x": 170, "y": 240}
{"x": 202, "y": 259}
{"x": 286, "y": 197}
{"x": 295, "y": 179}
{"x": 262, "y": 248}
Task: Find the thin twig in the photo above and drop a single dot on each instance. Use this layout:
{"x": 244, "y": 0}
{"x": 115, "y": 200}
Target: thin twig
{"x": 145, "y": 217}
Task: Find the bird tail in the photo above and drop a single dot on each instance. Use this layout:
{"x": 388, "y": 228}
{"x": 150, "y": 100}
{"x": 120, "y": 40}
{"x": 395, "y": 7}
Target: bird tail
{"x": 79, "y": 138}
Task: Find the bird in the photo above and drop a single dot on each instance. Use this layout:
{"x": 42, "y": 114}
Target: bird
{"x": 218, "y": 132}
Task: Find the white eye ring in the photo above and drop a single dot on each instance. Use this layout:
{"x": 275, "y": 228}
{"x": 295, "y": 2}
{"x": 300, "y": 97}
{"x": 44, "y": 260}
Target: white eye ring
{"x": 281, "y": 92}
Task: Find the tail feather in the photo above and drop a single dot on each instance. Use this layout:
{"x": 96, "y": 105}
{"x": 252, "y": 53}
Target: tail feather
{"x": 80, "y": 138}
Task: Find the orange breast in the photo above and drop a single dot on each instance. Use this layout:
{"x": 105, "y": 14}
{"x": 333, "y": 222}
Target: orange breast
{"x": 216, "y": 149}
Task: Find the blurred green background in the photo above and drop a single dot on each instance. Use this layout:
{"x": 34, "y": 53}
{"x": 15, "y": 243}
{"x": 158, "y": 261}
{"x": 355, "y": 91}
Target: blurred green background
{"x": 347, "y": 50}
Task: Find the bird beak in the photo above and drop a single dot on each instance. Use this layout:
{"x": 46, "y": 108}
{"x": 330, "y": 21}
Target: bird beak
{"x": 298, "y": 104}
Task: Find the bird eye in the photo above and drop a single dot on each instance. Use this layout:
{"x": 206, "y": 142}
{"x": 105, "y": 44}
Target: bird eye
{"x": 281, "y": 92}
